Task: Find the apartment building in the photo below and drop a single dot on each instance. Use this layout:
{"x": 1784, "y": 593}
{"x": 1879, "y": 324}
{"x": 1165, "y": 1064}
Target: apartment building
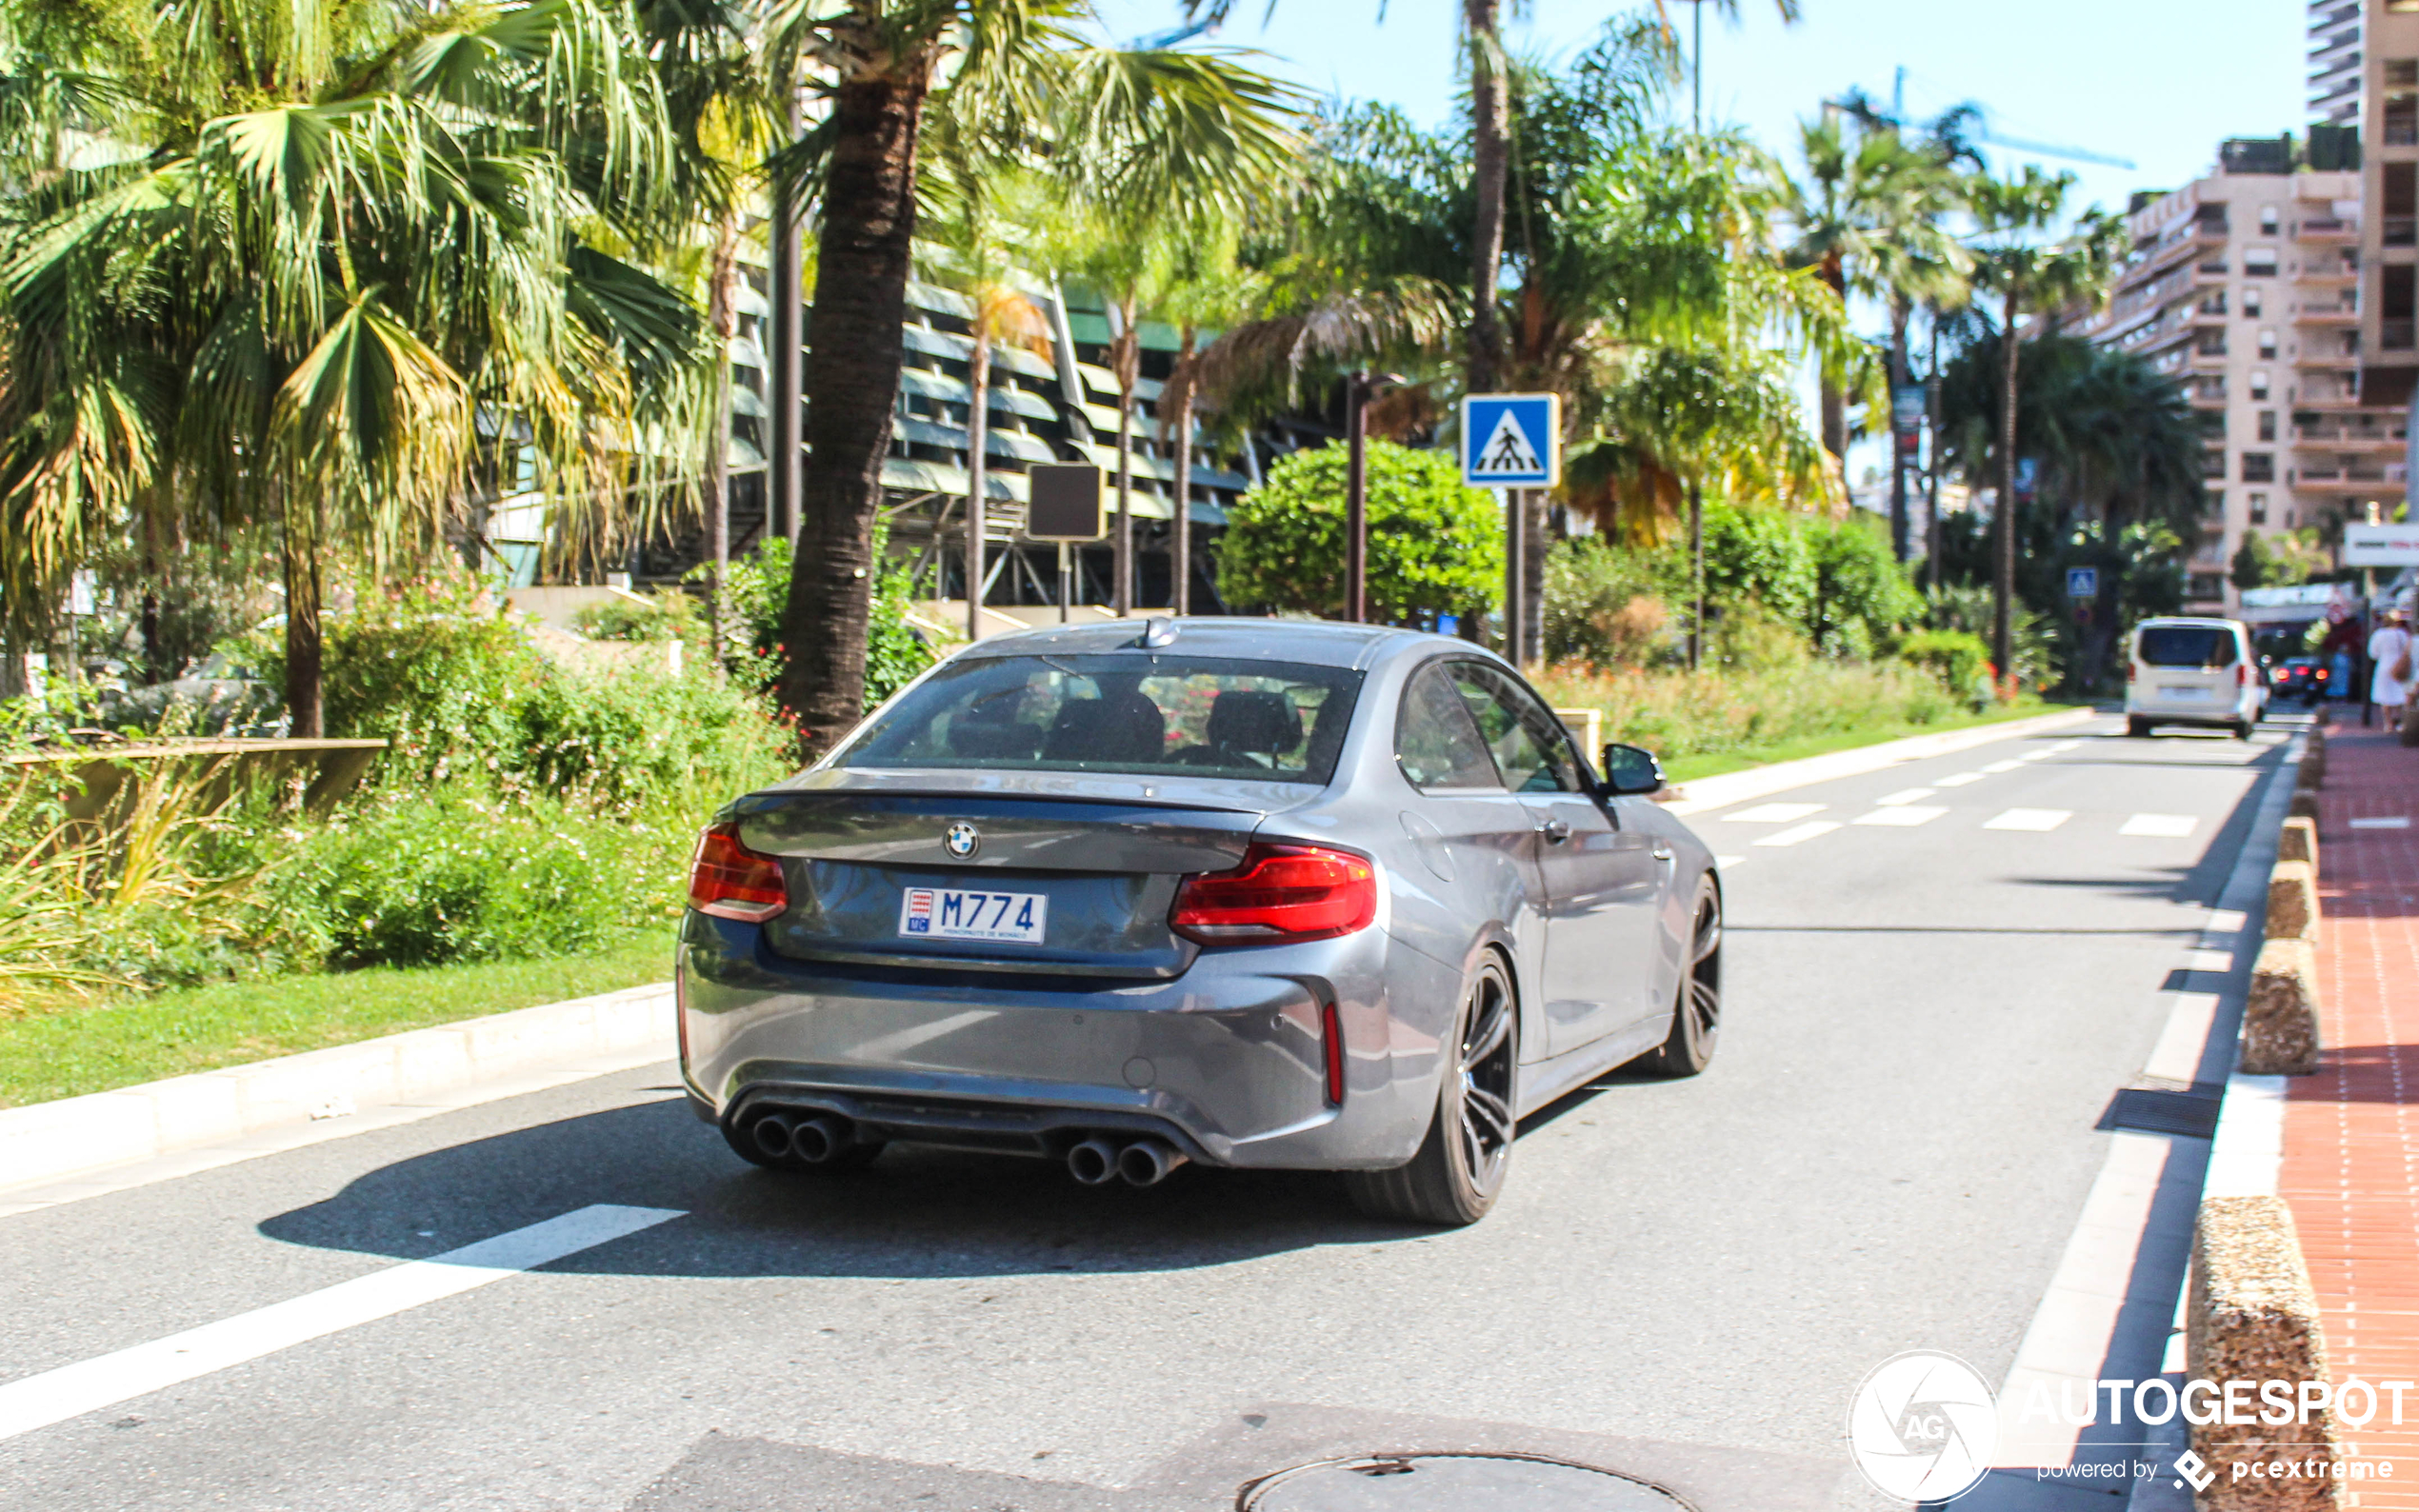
{"x": 2245, "y": 286}
{"x": 2335, "y": 28}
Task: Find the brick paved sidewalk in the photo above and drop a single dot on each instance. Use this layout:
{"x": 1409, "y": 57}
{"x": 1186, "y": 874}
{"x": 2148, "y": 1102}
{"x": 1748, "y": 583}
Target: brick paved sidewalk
{"x": 2352, "y": 1132}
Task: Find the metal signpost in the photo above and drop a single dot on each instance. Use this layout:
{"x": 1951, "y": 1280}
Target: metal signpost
{"x": 1513, "y": 443}
{"x": 1067, "y": 505}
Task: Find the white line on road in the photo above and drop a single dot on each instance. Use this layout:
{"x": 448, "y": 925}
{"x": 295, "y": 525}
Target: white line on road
{"x": 1960, "y": 780}
{"x": 2383, "y": 822}
{"x": 1725, "y": 862}
{"x": 2037, "y": 819}
{"x": 2067, "y": 746}
{"x": 1805, "y": 831}
{"x": 1775, "y": 813}
{"x": 2003, "y": 766}
{"x": 2034, "y": 755}
{"x": 88, "y": 1385}
{"x": 2164, "y": 826}
{"x": 1906, "y": 816}
{"x": 1906, "y": 795}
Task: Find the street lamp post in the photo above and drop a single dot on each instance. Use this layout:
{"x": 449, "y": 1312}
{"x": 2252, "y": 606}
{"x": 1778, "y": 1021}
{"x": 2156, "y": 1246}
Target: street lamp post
{"x": 1359, "y": 389}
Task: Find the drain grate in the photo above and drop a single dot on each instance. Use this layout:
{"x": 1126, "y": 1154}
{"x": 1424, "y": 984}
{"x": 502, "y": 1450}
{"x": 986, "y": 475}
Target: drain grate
{"x": 2152, "y": 1110}
{"x": 1452, "y": 1482}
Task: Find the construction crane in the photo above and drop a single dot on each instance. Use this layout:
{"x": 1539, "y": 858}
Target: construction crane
{"x": 1858, "y": 104}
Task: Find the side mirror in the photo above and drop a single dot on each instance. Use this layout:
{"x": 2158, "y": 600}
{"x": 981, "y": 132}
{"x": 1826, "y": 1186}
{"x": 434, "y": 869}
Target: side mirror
{"x": 1631, "y": 769}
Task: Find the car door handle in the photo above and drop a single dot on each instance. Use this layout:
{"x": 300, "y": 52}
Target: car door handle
{"x": 1556, "y": 830}
{"x": 1663, "y": 852}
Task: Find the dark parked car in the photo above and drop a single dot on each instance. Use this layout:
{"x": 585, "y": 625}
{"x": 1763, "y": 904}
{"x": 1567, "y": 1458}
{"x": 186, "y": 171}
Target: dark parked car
{"x": 2303, "y": 677}
{"x": 1239, "y": 892}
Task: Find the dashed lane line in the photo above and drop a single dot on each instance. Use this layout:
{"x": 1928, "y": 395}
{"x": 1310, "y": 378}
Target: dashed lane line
{"x": 1725, "y": 862}
{"x": 2003, "y": 766}
{"x": 1799, "y": 833}
{"x": 54, "y": 1396}
{"x": 2034, "y": 755}
{"x": 2164, "y": 826}
{"x": 2032, "y": 819}
{"x": 1774, "y": 813}
{"x": 1905, "y": 795}
{"x": 1959, "y": 780}
{"x": 1906, "y": 816}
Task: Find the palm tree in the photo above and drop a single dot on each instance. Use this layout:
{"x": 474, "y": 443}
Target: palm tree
{"x": 332, "y": 271}
{"x": 2029, "y": 273}
{"x": 1129, "y": 126}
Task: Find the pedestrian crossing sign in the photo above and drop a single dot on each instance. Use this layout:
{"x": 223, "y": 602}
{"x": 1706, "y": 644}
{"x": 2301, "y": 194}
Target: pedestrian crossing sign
{"x": 1512, "y": 441}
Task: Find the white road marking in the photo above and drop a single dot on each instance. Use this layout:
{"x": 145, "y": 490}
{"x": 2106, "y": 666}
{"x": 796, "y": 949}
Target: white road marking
{"x": 1775, "y": 813}
{"x": 1725, "y": 862}
{"x": 2039, "y": 818}
{"x": 1805, "y": 831}
{"x": 2034, "y": 755}
{"x": 2383, "y": 822}
{"x": 2065, "y": 746}
{"x": 1960, "y": 780}
{"x": 2003, "y": 766}
{"x": 1906, "y": 795}
{"x": 54, "y": 1396}
{"x": 1906, "y": 816}
{"x": 2165, "y": 826}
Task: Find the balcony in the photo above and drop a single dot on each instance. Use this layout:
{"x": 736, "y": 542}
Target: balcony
{"x": 2327, "y": 231}
{"x": 2358, "y": 476}
{"x": 2341, "y": 437}
{"x": 2329, "y": 361}
{"x": 2339, "y": 317}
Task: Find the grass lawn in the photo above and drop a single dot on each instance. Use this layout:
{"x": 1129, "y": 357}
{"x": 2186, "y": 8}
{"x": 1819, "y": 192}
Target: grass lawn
{"x": 1686, "y": 768}
{"x": 119, "y": 1040}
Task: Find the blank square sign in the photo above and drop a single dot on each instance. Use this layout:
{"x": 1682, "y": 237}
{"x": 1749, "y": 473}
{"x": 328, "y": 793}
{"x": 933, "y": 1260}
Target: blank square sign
{"x": 1065, "y": 502}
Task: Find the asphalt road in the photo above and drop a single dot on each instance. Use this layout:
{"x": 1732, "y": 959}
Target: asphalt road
{"x": 1685, "y": 1280}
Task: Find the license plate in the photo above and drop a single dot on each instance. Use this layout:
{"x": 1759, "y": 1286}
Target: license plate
{"x": 2185, "y": 692}
{"x": 962, "y": 913}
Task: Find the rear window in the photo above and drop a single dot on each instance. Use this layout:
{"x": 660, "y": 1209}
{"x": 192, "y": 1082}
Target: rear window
{"x": 2203, "y": 646}
{"x": 1175, "y": 715}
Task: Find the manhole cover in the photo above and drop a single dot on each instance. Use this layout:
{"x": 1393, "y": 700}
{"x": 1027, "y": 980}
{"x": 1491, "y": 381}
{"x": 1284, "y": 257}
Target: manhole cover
{"x": 1452, "y": 1482}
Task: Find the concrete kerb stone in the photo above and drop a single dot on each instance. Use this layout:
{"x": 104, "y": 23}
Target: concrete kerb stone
{"x": 2298, "y": 841}
{"x": 2280, "y": 1018}
{"x": 2292, "y": 901}
{"x": 2305, "y": 806}
{"x": 2253, "y": 1316}
{"x": 51, "y": 1141}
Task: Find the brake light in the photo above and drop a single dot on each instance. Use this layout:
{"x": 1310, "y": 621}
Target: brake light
{"x": 1280, "y": 892}
{"x": 2242, "y": 674}
{"x": 2132, "y": 669}
{"x": 732, "y": 882}
{"x": 1331, "y": 1037}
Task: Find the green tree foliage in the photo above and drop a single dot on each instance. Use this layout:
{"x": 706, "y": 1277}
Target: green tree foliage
{"x": 2257, "y": 564}
{"x": 758, "y": 586}
{"x": 1435, "y": 544}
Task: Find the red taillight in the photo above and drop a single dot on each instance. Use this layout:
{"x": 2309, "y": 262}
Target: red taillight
{"x": 2131, "y": 671}
{"x": 732, "y": 882}
{"x": 1280, "y": 892}
{"x": 1332, "y": 1037}
{"x": 2242, "y": 674}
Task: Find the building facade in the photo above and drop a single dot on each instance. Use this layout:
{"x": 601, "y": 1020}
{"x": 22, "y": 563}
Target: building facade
{"x": 2335, "y": 28}
{"x": 2246, "y": 286}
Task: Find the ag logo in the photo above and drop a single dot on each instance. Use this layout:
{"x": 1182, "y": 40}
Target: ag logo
{"x": 962, "y": 840}
{"x": 1923, "y": 1427}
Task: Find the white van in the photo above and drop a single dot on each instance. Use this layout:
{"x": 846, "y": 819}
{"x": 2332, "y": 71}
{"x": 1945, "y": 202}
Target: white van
{"x": 2192, "y": 671}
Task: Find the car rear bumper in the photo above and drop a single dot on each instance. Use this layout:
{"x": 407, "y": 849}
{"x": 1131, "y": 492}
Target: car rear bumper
{"x": 1227, "y": 1062}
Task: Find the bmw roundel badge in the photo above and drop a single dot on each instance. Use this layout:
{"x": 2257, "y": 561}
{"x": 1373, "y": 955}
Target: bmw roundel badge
{"x": 962, "y": 840}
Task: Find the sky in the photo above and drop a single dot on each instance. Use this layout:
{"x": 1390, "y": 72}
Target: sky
{"x": 2155, "y": 82}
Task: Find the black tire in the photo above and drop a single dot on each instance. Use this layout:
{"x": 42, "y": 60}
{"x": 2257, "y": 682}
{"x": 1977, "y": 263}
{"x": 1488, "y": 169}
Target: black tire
{"x": 742, "y": 1140}
{"x": 1696, "y": 1011}
{"x": 1460, "y": 1168}
{"x": 2242, "y": 729}
{"x": 2137, "y": 727}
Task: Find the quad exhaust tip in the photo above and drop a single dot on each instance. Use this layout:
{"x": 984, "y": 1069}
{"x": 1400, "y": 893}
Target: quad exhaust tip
{"x": 1097, "y": 1162}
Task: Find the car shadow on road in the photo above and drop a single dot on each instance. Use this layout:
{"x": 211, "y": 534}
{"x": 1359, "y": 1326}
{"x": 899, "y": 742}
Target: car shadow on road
{"x": 916, "y": 1212}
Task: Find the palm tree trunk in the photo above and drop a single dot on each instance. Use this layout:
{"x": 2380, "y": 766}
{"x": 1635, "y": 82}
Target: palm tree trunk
{"x": 782, "y": 375}
{"x": 1901, "y": 311}
{"x": 1490, "y": 122}
{"x": 299, "y": 537}
{"x": 2003, "y": 578}
{"x": 853, "y": 381}
{"x": 1182, "y": 393}
{"x": 722, "y": 315}
{"x": 1834, "y": 398}
{"x": 977, "y": 425}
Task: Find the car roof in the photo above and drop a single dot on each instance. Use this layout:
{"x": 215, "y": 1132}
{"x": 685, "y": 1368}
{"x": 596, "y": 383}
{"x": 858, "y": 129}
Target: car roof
{"x": 2192, "y": 621}
{"x": 1319, "y": 643}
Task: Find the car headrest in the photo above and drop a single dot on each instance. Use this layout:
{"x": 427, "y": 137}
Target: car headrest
{"x": 1245, "y": 720}
{"x": 1123, "y": 729}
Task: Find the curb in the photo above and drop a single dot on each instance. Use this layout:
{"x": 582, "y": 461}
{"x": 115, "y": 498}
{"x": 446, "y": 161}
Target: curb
{"x": 47, "y": 1141}
{"x": 2254, "y": 1318}
{"x": 1756, "y": 782}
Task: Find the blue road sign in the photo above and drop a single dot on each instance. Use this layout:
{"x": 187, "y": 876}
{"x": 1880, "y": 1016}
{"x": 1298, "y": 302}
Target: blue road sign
{"x": 1512, "y": 441}
{"x": 2083, "y": 582}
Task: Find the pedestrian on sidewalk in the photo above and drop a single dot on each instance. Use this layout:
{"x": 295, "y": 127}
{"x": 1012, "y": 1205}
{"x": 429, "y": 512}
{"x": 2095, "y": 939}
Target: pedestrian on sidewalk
{"x": 2389, "y": 652}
